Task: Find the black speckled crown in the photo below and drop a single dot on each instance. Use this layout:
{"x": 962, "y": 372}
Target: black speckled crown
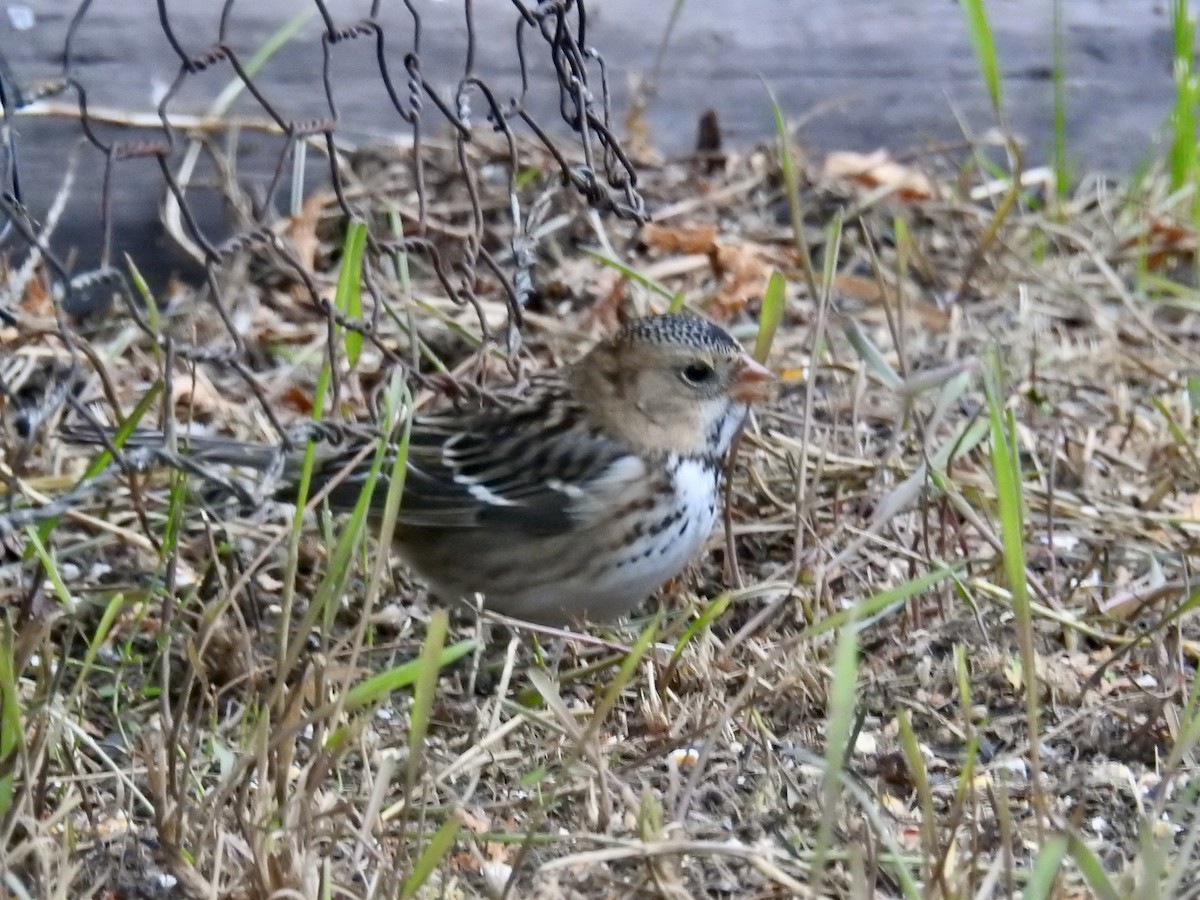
{"x": 679, "y": 328}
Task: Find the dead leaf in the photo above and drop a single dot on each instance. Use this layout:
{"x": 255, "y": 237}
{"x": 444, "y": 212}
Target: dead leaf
{"x": 196, "y": 394}
{"x": 680, "y": 239}
{"x": 860, "y": 287}
{"x": 878, "y": 169}
{"x": 743, "y": 273}
{"x": 302, "y": 229}
{"x": 298, "y": 399}
{"x": 35, "y": 300}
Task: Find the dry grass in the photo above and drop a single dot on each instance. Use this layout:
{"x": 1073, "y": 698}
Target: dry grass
{"x": 853, "y": 703}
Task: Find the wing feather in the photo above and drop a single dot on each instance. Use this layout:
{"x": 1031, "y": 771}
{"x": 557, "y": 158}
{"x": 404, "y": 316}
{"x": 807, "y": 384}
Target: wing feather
{"x": 536, "y": 468}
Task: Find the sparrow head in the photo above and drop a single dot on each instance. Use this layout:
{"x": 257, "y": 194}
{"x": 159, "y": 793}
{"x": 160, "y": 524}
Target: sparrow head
{"x": 671, "y": 383}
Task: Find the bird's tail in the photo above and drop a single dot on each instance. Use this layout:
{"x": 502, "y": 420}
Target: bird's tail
{"x": 202, "y": 450}
{"x": 207, "y": 458}
{"x": 337, "y": 465}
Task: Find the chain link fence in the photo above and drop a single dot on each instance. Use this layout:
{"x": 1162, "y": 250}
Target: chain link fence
{"x": 269, "y": 200}
{"x": 459, "y": 190}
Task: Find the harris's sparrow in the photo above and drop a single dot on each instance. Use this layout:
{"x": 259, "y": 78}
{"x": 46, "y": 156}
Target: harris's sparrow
{"x": 576, "y": 501}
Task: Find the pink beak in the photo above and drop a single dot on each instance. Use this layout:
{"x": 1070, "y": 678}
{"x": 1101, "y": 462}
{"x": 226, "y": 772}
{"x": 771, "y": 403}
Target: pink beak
{"x": 752, "y": 382}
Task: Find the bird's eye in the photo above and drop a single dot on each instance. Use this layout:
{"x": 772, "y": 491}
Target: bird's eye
{"x": 697, "y": 373}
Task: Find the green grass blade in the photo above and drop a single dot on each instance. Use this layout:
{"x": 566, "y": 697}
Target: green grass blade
{"x": 111, "y": 611}
{"x": 634, "y": 275}
{"x": 1181, "y": 155}
{"x": 1006, "y": 471}
{"x": 774, "y": 299}
{"x": 876, "y": 603}
{"x": 1062, "y": 167}
{"x": 378, "y": 687}
{"x": 275, "y": 42}
{"x": 628, "y": 666}
{"x": 398, "y": 403}
{"x": 871, "y": 355}
{"x": 435, "y": 851}
{"x": 347, "y": 298}
{"x": 353, "y": 532}
{"x": 712, "y": 610}
{"x": 839, "y": 722}
{"x": 11, "y": 733}
{"x": 176, "y": 504}
{"x": 919, "y": 773}
{"x": 429, "y": 666}
{"x": 1092, "y": 870}
{"x": 38, "y": 549}
{"x": 100, "y": 462}
{"x": 791, "y": 186}
{"x": 102, "y": 459}
{"x": 979, "y": 30}
{"x": 153, "y": 316}
{"x": 1046, "y": 868}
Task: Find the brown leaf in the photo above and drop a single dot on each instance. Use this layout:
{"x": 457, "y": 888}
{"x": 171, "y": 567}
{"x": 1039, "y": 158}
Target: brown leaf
{"x": 860, "y": 287}
{"x": 298, "y": 399}
{"x": 680, "y": 239}
{"x": 303, "y": 229}
{"x": 743, "y": 273}
{"x": 876, "y": 169}
{"x": 196, "y": 394}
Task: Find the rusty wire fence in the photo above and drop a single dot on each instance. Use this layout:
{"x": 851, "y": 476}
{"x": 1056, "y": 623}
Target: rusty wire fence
{"x": 453, "y": 187}
{"x": 460, "y": 189}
